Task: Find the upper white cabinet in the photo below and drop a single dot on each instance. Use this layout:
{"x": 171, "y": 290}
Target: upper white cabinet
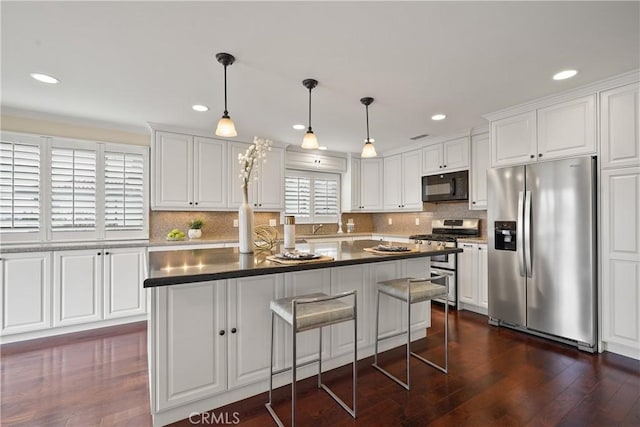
{"x": 480, "y": 163}
{"x": 316, "y": 161}
{"x": 402, "y": 181}
{"x": 619, "y": 127}
{"x": 266, "y": 193}
{"x": 189, "y": 172}
{"x": 560, "y": 130}
{"x": 371, "y": 184}
{"x": 352, "y": 200}
{"x": 25, "y": 292}
{"x": 567, "y": 129}
{"x": 447, "y": 156}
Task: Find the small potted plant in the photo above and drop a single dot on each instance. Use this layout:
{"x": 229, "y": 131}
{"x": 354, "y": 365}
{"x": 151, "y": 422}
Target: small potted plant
{"x": 195, "y": 228}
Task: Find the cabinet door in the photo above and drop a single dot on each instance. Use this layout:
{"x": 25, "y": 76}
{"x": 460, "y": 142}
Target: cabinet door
{"x": 191, "y": 357}
{"x": 210, "y": 173}
{"x": 513, "y": 140}
{"x": 77, "y": 286}
{"x": 371, "y": 184}
{"x": 467, "y": 274}
{"x": 391, "y": 317}
{"x": 344, "y": 279}
{"x": 235, "y": 191}
{"x": 480, "y": 163}
{"x": 392, "y": 191}
{"x": 456, "y": 154}
{"x": 621, "y": 259}
{"x": 173, "y": 177}
{"x": 421, "y": 312}
{"x": 411, "y": 180}
{"x": 270, "y": 184}
{"x": 483, "y": 277}
{"x": 356, "y": 201}
{"x": 620, "y": 127}
{"x": 567, "y": 129}
{"x": 249, "y": 328}
{"x": 124, "y": 272}
{"x": 301, "y": 283}
{"x": 432, "y": 159}
{"x": 25, "y": 296}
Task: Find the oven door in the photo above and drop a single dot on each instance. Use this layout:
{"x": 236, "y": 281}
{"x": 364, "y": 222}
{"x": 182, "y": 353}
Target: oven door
{"x": 444, "y": 261}
{"x": 449, "y": 280}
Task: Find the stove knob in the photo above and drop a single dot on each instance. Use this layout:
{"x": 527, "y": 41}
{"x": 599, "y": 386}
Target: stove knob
{"x": 429, "y": 243}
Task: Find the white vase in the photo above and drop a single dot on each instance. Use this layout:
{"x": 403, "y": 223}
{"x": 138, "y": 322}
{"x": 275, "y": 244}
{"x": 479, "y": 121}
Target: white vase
{"x": 245, "y": 228}
{"x": 195, "y": 233}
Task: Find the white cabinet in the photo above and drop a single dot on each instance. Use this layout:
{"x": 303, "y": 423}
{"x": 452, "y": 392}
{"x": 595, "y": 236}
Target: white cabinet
{"x": 77, "y": 286}
{"x": 354, "y": 198}
{"x": 514, "y": 140}
{"x": 567, "y": 129}
{"x": 402, "y": 181}
{"x": 371, "y": 184}
{"x": 480, "y": 163}
{"x": 345, "y": 279}
{"x": 620, "y": 239}
{"x": 473, "y": 277}
{"x": 620, "y": 127}
{"x": 315, "y": 161}
{"x": 25, "y": 292}
{"x": 124, "y": 273}
{"x": 447, "y": 156}
{"x": 561, "y": 130}
{"x": 266, "y": 193}
{"x": 189, "y": 173}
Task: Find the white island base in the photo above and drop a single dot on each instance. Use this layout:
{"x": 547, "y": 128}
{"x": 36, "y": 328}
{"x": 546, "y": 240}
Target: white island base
{"x": 209, "y": 341}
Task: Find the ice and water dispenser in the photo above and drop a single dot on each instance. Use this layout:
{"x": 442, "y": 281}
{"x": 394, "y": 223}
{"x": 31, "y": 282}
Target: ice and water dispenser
{"x": 505, "y": 235}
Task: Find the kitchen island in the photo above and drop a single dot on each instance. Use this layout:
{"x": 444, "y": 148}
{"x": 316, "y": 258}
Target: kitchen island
{"x": 209, "y": 326}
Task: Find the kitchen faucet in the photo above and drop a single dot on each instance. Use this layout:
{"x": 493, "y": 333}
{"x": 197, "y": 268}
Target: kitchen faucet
{"x": 315, "y": 228}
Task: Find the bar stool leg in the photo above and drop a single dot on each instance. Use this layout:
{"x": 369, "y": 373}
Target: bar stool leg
{"x": 320, "y": 359}
{"x": 271, "y": 362}
{"x": 409, "y": 338}
{"x": 293, "y": 368}
{"x": 375, "y": 348}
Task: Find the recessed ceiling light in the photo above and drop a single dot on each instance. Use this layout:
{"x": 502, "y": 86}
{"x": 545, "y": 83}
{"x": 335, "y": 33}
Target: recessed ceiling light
{"x": 322, "y": 147}
{"x": 44, "y": 78}
{"x": 438, "y": 117}
{"x": 299, "y": 127}
{"x": 200, "y": 108}
{"x": 565, "y": 74}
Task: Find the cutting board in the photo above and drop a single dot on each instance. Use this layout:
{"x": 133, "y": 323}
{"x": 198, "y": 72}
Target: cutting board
{"x": 323, "y": 258}
{"x": 377, "y": 252}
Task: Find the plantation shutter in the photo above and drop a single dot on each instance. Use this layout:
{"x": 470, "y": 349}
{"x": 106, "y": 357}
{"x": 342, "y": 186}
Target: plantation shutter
{"x": 19, "y": 187}
{"x": 312, "y": 197}
{"x": 325, "y": 197}
{"x": 73, "y": 189}
{"x": 124, "y": 191}
{"x": 297, "y": 196}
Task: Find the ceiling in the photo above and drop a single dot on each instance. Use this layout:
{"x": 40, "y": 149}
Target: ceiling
{"x": 123, "y": 64}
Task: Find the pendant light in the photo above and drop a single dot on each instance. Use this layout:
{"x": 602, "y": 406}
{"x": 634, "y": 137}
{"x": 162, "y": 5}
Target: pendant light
{"x": 226, "y": 127}
{"x": 368, "y": 150}
{"x": 310, "y": 141}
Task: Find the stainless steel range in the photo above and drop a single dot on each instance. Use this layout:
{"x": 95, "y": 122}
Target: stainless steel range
{"x": 446, "y": 232}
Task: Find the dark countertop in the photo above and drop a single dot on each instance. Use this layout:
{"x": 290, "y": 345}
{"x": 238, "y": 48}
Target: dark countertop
{"x": 199, "y": 265}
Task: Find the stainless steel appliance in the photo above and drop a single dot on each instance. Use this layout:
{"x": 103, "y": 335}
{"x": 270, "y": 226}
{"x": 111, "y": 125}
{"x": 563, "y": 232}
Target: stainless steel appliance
{"x": 542, "y": 249}
{"x": 445, "y": 187}
{"x": 446, "y": 233}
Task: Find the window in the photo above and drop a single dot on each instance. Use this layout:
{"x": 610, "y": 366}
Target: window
{"x": 19, "y": 187}
{"x": 124, "y": 191}
{"x": 312, "y": 197}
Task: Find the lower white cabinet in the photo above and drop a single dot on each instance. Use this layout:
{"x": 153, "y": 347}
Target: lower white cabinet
{"x": 620, "y": 240}
{"x": 25, "y": 296}
{"x": 77, "y": 286}
{"x": 345, "y": 279}
{"x": 124, "y": 272}
{"x": 473, "y": 277}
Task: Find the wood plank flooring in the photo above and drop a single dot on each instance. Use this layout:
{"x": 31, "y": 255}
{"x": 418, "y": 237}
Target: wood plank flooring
{"x": 497, "y": 377}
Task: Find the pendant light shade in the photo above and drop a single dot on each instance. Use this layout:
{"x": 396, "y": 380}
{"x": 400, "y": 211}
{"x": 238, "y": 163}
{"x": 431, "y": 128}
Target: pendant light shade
{"x": 310, "y": 142}
{"x": 226, "y": 127}
{"x": 368, "y": 150}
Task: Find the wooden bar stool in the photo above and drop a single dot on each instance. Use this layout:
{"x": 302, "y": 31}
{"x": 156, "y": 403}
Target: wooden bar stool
{"x": 412, "y": 291}
{"x": 306, "y": 312}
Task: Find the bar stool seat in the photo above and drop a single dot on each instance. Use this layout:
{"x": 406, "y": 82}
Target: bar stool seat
{"x": 304, "y": 313}
{"x": 411, "y": 291}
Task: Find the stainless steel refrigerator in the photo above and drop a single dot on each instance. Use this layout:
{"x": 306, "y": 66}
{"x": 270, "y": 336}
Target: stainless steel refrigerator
{"x": 541, "y": 223}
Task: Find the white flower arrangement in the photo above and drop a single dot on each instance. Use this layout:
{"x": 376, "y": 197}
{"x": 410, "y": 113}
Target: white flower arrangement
{"x": 256, "y": 152}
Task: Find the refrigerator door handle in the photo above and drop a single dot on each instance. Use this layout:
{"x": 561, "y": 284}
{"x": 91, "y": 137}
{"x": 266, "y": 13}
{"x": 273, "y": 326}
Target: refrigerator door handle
{"x": 520, "y": 234}
{"x": 527, "y": 234}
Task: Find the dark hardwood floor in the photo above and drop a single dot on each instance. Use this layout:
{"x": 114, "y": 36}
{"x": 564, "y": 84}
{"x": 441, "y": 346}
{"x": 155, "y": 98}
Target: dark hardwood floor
{"x": 496, "y": 377}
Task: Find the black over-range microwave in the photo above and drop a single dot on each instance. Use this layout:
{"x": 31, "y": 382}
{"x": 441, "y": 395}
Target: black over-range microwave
{"x": 445, "y": 187}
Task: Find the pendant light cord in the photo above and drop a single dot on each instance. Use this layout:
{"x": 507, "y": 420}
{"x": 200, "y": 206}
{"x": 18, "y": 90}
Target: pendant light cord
{"x": 226, "y": 113}
{"x": 367, "y": 110}
{"x": 309, "y": 130}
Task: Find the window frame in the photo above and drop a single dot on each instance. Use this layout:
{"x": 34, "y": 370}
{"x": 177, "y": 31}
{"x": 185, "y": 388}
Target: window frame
{"x": 313, "y": 175}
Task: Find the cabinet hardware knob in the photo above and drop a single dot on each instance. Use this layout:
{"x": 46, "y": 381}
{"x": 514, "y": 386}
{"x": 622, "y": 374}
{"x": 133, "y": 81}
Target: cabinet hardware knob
{"x": 473, "y": 203}
{"x": 532, "y": 156}
{"x": 259, "y": 204}
{"x": 444, "y": 166}
{"x": 191, "y": 203}
{"x": 196, "y": 203}
{"x": 479, "y": 249}
{"x": 440, "y": 166}
{"x": 107, "y": 253}
{"x": 221, "y": 332}
{"x": 99, "y": 253}
{"x": 255, "y": 204}
{"x": 399, "y": 206}
{"x": 540, "y": 155}
{"x": 234, "y": 330}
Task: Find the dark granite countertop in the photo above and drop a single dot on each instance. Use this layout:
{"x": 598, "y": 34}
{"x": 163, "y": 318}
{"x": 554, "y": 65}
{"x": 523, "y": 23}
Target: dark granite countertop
{"x": 189, "y": 266}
